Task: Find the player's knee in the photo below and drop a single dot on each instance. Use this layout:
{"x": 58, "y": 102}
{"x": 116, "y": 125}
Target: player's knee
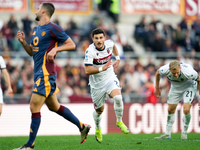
{"x": 118, "y": 99}
{"x": 99, "y": 112}
{"x": 186, "y": 111}
{"x": 171, "y": 111}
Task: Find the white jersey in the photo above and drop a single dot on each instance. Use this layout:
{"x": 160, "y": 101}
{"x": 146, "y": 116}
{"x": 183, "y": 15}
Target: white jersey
{"x": 187, "y": 78}
{"x": 97, "y": 58}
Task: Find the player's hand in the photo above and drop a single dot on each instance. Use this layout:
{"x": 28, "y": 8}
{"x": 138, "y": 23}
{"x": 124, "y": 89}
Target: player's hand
{"x": 116, "y": 63}
{"x": 107, "y": 65}
{"x": 157, "y": 92}
{"x": 9, "y": 91}
{"x": 51, "y": 55}
{"x": 21, "y": 36}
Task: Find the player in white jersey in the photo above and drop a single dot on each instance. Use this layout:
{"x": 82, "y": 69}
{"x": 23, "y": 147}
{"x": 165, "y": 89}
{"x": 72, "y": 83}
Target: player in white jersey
{"x": 102, "y": 78}
{"x": 184, "y": 81}
{"x": 7, "y": 79}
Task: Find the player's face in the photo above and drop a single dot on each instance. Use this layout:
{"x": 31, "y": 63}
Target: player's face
{"x": 98, "y": 40}
{"x": 38, "y": 13}
{"x": 176, "y": 72}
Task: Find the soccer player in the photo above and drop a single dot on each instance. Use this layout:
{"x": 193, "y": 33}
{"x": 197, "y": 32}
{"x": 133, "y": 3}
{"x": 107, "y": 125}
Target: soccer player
{"x": 7, "y": 79}
{"x": 102, "y": 79}
{"x": 184, "y": 81}
{"x": 44, "y": 47}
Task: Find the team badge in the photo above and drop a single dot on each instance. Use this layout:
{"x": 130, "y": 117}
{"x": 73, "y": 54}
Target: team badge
{"x": 43, "y": 33}
{"x": 97, "y": 54}
{"x": 108, "y": 51}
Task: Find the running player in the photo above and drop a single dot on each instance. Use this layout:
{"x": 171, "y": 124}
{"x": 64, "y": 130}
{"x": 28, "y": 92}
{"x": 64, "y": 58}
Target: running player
{"x": 102, "y": 78}
{"x": 184, "y": 81}
{"x": 43, "y": 48}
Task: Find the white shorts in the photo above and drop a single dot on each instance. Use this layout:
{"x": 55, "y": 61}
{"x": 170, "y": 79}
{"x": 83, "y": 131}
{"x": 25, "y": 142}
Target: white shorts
{"x": 1, "y": 96}
{"x": 99, "y": 95}
{"x": 187, "y": 95}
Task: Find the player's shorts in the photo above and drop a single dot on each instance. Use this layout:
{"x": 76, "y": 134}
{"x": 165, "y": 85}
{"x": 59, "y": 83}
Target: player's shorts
{"x": 45, "y": 85}
{"x": 1, "y": 96}
{"x": 99, "y": 95}
{"x": 187, "y": 95}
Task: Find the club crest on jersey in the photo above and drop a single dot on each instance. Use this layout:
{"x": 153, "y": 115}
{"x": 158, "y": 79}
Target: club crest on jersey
{"x": 97, "y": 54}
{"x": 108, "y": 51}
{"x": 43, "y": 33}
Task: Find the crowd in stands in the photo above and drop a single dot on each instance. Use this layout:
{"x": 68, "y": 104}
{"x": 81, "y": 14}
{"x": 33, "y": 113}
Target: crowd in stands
{"x": 136, "y": 78}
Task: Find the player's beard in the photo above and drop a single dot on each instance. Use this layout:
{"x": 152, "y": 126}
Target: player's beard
{"x": 37, "y": 18}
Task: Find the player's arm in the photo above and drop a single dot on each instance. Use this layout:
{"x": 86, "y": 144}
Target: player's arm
{"x": 157, "y": 81}
{"x": 89, "y": 69}
{"x": 7, "y": 79}
{"x": 68, "y": 45}
{"x": 27, "y": 47}
{"x": 116, "y": 54}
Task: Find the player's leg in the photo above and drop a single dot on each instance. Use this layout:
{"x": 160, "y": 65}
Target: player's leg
{"x": 36, "y": 103}
{"x": 98, "y": 98}
{"x": 118, "y": 106}
{"x": 186, "y": 120}
{"x": 97, "y": 116}
{"x": 53, "y": 105}
{"x": 188, "y": 98}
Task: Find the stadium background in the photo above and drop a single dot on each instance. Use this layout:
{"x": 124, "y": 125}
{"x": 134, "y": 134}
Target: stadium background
{"x": 140, "y": 58}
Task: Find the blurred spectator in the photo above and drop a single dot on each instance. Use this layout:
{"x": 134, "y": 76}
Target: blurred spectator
{"x": 158, "y": 43}
{"x": 149, "y": 38}
{"x": 154, "y": 22}
{"x": 183, "y": 24}
{"x": 188, "y": 42}
{"x": 13, "y": 25}
{"x": 114, "y": 10}
{"x": 26, "y": 21}
{"x": 7, "y": 32}
{"x": 196, "y": 26}
{"x": 3, "y": 42}
{"x": 140, "y": 30}
{"x": 149, "y": 92}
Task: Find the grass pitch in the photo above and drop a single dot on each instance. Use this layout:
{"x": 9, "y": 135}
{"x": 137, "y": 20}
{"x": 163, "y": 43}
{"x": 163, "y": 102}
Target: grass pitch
{"x": 110, "y": 142}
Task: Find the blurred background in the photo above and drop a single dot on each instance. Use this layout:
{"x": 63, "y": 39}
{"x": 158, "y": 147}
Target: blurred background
{"x": 148, "y": 34}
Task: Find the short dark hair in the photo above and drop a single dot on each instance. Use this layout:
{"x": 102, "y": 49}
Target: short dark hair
{"x": 49, "y": 7}
{"x": 97, "y": 31}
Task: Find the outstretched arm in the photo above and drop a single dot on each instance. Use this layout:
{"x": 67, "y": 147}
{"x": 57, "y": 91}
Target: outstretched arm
{"x": 157, "y": 90}
{"x": 21, "y": 38}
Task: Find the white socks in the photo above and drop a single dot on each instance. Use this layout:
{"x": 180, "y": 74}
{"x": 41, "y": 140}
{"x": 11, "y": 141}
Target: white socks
{"x": 186, "y": 121}
{"x": 118, "y": 107}
{"x": 97, "y": 119}
{"x": 170, "y": 122}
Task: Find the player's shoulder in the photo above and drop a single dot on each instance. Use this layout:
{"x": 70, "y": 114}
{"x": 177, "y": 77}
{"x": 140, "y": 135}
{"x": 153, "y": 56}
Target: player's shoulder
{"x": 164, "y": 69}
{"x": 187, "y": 69}
{"x": 91, "y": 48}
{"x": 109, "y": 42}
{"x": 55, "y": 26}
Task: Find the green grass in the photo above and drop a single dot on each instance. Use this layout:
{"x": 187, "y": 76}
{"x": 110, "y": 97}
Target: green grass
{"x": 110, "y": 142}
